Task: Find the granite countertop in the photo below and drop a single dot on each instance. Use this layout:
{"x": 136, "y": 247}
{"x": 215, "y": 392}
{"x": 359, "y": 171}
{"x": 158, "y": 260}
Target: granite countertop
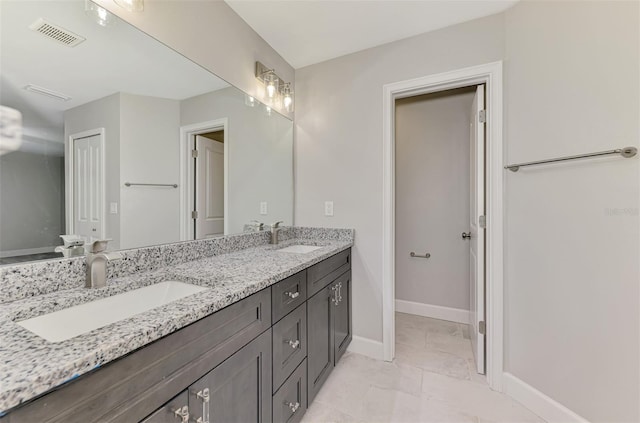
{"x": 31, "y": 366}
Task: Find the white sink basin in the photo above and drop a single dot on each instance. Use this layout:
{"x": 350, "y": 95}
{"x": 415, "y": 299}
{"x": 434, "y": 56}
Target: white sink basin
{"x": 73, "y": 321}
{"x": 299, "y": 249}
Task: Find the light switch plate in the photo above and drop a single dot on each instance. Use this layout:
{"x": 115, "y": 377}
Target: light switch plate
{"x": 263, "y": 207}
{"x": 113, "y": 208}
{"x": 328, "y": 208}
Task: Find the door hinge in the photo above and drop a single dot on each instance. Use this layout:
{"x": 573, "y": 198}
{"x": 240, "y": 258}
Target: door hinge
{"x": 194, "y": 154}
{"x": 482, "y": 221}
{"x": 482, "y": 327}
{"x": 482, "y": 116}
{"x": 194, "y": 214}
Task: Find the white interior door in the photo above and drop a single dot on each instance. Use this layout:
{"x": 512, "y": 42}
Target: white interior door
{"x": 209, "y": 199}
{"x": 477, "y": 247}
{"x": 88, "y": 187}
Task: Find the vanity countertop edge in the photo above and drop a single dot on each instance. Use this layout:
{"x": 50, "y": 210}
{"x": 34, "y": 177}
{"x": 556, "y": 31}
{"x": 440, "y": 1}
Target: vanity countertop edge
{"x": 31, "y": 366}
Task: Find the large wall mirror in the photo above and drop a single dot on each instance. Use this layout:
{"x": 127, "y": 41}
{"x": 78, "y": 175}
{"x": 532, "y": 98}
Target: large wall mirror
{"x": 124, "y": 138}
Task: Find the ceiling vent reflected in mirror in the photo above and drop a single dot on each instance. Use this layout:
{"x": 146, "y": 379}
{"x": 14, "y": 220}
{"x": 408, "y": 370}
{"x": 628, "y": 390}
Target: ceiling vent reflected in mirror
{"x": 49, "y": 93}
{"x": 56, "y": 33}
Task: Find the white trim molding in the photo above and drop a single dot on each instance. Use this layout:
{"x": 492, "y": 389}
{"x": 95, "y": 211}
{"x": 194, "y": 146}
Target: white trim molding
{"x": 542, "y": 405}
{"x": 491, "y": 75}
{"x": 366, "y": 346}
{"x": 457, "y": 315}
{"x": 186, "y": 185}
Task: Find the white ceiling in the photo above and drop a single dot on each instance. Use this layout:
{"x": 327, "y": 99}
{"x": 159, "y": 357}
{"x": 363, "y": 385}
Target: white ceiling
{"x": 305, "y": 32}
{"x": 118, "y": 58}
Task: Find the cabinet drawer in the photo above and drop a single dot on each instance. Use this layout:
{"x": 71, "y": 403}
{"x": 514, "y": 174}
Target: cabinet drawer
{"x": 325, "y": 272}
{"x": 290, "y": 402}
{"x": 289, "y": 344}
{"x": 288, "y": 294}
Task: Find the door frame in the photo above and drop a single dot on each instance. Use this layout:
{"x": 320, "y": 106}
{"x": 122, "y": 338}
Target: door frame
{"x": 187, "y": 183}
{"x": 491, "y": 75}
{"x": 69, "y": 175}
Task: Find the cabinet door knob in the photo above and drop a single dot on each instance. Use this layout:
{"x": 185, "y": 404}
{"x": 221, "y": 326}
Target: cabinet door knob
{"x": 292, "y": 406}
{"x": 293, "y": 344}
{"x": 182, "y": 413}
{"x": 292, "y": 295}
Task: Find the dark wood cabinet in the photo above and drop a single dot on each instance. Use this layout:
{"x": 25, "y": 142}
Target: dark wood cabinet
{"x": 261, "y": 359}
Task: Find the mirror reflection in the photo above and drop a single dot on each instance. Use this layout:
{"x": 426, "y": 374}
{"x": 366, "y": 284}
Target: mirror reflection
{"x": 109, "y": 134}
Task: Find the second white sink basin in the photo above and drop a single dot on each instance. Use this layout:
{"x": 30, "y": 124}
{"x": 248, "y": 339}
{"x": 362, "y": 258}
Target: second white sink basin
{"x": 299, "y": 249}
{"x": 73, "y": 321}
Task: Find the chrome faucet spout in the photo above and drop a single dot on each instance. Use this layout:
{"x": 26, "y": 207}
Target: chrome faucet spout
{"x": 275, "y": 229}
{"x": 97, "y": 259}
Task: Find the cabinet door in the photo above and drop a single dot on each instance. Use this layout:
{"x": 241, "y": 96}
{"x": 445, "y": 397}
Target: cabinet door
{"x": 175, "y": 411}
{"x": 239, "y": 389}
{"x": 342, "y": 318}
{"x": 320, "y": 346}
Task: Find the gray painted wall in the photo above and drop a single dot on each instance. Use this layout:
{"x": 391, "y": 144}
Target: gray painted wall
{"x": 339, "y": 140}
{"x": 572, "y": 246}
{"x": 210, "y": 33}
{"x": 32, "y": 192}
{"x": 573, "y": 291}
{"x": 432, "y": 198}
{"x": 260, "y": 156}
{"x": 103, "y": 113}
{"x": 149, "y": 153}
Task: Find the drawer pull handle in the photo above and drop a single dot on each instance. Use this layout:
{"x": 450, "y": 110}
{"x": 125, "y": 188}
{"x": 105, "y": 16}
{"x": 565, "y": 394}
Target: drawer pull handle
{"x": 293, "y": 407}
{"x": 292, "y": 295}
{"x": 203, "y": 395}
{"x": 293, "y": 344}
{"x": 182, "y": 414}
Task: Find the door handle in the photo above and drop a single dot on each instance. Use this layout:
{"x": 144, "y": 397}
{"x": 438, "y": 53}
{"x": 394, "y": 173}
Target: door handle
{"x": 466, "y": 235}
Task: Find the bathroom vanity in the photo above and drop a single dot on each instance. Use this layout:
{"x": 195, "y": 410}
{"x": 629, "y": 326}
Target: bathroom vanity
{"x": 254, "y": 347}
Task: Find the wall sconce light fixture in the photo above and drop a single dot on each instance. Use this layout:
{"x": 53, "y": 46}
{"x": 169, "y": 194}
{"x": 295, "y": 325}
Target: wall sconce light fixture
{"x": 131, "y": 5}
{"x": 275, "y": 88}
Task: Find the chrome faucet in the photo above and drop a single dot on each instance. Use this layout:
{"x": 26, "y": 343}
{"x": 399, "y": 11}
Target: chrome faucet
{"x": 275, "y": 228}
{"x": 258, "y": 225}
{"x": 97, "y": 259}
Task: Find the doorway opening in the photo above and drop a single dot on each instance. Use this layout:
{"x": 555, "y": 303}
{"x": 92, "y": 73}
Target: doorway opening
{"x": 204, "y": 152}
{"x": 489, "y": 76}
{"x": 439, "y": 249}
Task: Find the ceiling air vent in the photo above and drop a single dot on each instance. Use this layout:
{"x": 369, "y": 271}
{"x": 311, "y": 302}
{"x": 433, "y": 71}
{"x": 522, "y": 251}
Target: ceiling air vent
{"x": 56, "y": 33}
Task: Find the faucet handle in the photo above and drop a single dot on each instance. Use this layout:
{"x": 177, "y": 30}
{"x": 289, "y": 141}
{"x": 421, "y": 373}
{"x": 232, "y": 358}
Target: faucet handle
{"x": 99, "y": 245}
{"x": 276, "y": 224}
{"x": 260, "y": 225}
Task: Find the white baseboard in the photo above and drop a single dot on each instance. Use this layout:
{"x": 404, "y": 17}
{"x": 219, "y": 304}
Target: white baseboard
{"x": 542, "y": 405}
{"x": 366, "y": 346}
{"x": 436, "y": 312}
{"x": 27, "y": 251}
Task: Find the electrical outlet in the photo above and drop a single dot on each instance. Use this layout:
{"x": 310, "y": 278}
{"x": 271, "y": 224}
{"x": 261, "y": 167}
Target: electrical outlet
{"x": 328, "y": 208}
{"x": 263, "y": 207}
{"x": 113, "y": 208}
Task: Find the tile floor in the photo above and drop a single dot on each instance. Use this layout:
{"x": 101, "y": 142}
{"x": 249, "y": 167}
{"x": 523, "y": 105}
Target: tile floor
{"x": 432, "y": 379}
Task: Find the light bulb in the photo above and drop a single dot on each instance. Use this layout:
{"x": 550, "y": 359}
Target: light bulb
{"x": 287, "y": 101}
{"x": 271, "y": 89}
